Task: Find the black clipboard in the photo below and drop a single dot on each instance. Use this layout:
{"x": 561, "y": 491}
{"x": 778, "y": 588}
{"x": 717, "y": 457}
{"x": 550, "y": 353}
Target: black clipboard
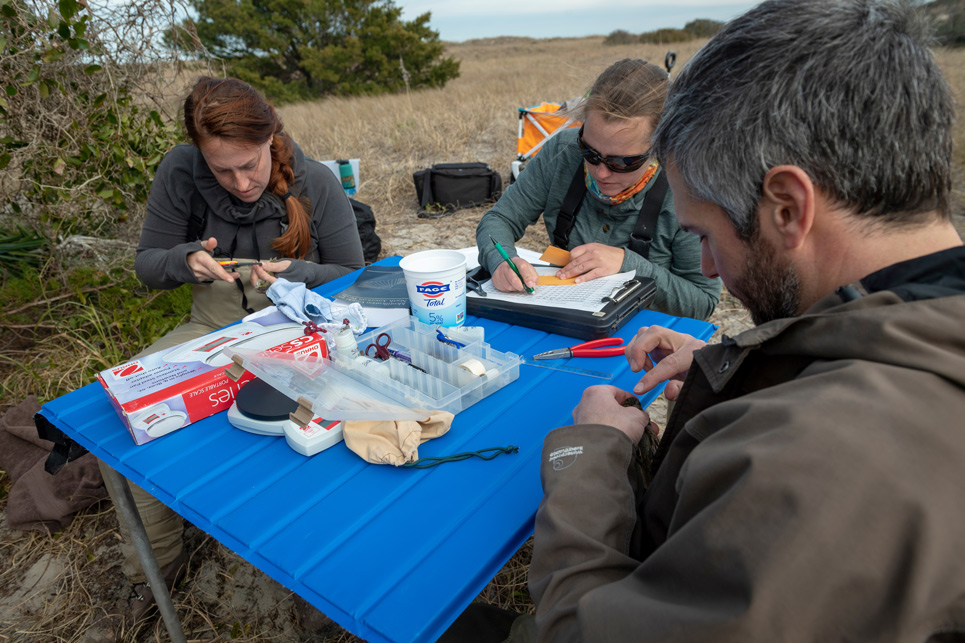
{"x": 625, "y": 302}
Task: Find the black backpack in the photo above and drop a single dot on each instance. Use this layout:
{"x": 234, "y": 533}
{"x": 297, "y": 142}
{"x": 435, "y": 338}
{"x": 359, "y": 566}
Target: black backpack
{"x": 371, "y": 243}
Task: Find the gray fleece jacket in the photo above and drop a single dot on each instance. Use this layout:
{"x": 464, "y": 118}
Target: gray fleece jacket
{"x": 183, "y": 175}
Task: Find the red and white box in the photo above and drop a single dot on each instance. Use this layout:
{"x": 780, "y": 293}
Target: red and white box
{"x": 165, "y": 391}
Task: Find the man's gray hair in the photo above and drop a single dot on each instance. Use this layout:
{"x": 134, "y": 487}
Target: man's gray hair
{"x": 847, "y": 90}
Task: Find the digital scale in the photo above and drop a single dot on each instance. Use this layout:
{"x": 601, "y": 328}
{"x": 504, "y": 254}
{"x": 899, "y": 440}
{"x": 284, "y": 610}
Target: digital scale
{"x": 258, "y": 408}
{"x": 210, "y": 348}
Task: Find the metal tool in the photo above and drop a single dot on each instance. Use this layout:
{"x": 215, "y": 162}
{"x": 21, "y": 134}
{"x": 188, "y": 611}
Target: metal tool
{"x": 620, "y": 293}
{"x": 475, "y": 286}
{"x": 383, "y": 352}
{"x": 238, "y": 264}
{"x": 557, "y": 366}
{"x": 475, "y": 279}
{"x": 445, "y": 339}
{"x": 593, "y": 348}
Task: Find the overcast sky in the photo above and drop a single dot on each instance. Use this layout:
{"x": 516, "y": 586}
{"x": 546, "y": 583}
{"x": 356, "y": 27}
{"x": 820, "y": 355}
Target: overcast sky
{"x": 458, "y": 20}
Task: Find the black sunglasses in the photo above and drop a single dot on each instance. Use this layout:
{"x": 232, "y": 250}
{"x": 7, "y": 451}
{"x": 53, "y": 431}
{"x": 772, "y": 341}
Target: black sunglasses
{"x": 619, "y": 164}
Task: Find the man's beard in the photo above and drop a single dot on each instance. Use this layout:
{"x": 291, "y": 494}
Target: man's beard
{"x": 769, "y": 286}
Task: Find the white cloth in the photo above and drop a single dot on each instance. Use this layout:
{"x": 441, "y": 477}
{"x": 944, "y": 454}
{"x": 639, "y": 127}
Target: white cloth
{"x": 300, "y": 304}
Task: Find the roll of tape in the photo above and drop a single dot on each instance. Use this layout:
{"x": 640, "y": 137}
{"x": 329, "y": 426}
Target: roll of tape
{"x": 474, "y": 366}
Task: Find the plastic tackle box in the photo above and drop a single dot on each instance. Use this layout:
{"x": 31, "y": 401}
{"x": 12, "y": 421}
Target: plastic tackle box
{"x": 425, "y": 374}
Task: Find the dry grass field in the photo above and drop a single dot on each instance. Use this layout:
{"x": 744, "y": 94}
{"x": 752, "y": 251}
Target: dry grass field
{"x": 49, "y": 586}
{"x": 473, "y": 119}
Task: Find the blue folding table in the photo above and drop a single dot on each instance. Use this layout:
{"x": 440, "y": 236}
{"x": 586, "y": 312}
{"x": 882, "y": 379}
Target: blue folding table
{"x": 390, "y": 554}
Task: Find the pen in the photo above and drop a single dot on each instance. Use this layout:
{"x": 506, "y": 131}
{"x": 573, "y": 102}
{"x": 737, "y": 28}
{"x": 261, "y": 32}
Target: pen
{"x": 502, "y": 253}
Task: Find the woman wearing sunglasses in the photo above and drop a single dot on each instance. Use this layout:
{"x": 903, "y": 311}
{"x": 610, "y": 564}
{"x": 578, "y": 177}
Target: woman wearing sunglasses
{"x": 605, "y": 199}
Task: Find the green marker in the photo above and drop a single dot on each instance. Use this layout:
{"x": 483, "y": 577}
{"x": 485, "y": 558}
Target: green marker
{"x": 502, "y": 253}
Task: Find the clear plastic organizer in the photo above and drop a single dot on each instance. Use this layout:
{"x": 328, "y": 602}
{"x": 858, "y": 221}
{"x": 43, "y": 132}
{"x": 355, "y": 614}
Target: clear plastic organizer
{"x": 424, "y": 374}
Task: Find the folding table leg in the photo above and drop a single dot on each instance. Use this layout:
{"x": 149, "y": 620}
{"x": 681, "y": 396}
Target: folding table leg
{"x": 124, "y": 503}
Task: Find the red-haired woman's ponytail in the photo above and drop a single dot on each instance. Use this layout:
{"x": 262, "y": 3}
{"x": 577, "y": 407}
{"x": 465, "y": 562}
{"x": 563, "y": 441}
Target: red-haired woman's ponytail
{"x": 297, "y": 239}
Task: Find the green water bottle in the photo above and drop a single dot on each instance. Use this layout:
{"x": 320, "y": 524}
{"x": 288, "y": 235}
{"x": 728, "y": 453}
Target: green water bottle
{"x": 347, "y": 175}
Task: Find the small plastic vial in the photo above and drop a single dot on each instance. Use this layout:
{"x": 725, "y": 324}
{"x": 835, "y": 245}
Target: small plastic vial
{"x": 372, "y": 367}
{"x": 345, "y": 344}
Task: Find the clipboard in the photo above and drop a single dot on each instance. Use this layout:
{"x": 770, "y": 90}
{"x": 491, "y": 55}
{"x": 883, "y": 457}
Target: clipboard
{"x": 625, "y": 302}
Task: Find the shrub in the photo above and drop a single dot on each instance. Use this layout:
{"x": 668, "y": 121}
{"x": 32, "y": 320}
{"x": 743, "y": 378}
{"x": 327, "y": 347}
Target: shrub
{"x": 621, "y": 37}
{"x": 77, "y": 150}
{"x": 61, "y": 331}
{"x": 664, "y": 36}
{"x": 304, "y": 49}
{"x": 703, "y": 27}
{"x": 700, "y": 28}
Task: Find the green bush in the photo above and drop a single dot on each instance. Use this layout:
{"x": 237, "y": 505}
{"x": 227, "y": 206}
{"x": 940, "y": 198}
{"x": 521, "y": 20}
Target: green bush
{"x": 700, "y": 28}
{"x": 621, "y": 37}
{"x": 77, "y": 150}
{"x": 664, "y": 36}
{"x": 73, "y": 326}
{"x": 703, "y": 27}
{"x": 304, "y": 49}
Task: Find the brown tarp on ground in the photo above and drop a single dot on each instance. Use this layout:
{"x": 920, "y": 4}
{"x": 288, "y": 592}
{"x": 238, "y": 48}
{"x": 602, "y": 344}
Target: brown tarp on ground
{"x": 38, "y": 500}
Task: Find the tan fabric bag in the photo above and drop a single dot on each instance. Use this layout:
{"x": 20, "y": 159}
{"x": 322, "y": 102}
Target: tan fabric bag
{"x": 393, "y": 441}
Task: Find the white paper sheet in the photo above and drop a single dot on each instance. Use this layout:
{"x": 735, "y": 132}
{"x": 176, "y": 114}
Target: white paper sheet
{"x": 472, "y": 256}
{"x": 586, "y": 296}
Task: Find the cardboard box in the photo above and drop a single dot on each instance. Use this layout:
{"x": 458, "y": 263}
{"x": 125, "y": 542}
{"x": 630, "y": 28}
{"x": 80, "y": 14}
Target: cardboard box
{"x": 165, "y": 391}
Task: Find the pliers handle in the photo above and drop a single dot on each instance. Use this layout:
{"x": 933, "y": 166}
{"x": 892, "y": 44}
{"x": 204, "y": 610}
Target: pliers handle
{"x": 592, "y": 348}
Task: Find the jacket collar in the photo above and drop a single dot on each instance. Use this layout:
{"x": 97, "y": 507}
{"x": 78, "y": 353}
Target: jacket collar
{"x": 933, "y": 276}
{"x": 219, "y": 200}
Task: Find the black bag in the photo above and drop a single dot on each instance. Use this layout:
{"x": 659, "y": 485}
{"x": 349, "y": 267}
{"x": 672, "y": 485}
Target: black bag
{"x": 447, "y": 187}
{"x": 365, "y": 218}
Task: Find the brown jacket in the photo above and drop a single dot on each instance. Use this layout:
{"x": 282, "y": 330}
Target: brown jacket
{"x": 809, "y": 485}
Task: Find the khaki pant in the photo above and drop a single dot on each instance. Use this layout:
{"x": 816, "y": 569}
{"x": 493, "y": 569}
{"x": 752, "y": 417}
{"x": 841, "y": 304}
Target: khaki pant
{"x": 213, "y": 306}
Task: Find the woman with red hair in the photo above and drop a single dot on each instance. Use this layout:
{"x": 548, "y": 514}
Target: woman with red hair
{"x": 242, "y": 190}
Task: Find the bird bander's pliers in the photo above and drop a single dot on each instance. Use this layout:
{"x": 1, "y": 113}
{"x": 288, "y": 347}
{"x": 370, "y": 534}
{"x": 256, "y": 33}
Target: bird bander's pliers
{"x": 592, "y": 348}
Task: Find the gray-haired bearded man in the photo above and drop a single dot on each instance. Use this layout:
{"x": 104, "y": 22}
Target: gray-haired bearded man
{"x": 808, "y": 484}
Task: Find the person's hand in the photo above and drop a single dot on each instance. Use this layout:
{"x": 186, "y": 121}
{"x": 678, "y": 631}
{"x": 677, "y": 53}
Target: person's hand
{"x": 603, "y": 404}
{"x": 505, "y": 280}
{"x": 205, "y": 267}
{"x": 265, "y": 273}
{"x": 592, "y": 260}
{"x": 665, "y": 355}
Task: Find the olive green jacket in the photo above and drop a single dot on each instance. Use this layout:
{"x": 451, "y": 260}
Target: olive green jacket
{"x": 674, "y": 261}
{"x": 808, "y": 486}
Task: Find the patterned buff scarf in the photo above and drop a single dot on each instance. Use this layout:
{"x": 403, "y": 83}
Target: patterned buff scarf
{"x": 626, "y": 194}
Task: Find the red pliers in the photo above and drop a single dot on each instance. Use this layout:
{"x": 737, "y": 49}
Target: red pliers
{"x": 587, "y": 349}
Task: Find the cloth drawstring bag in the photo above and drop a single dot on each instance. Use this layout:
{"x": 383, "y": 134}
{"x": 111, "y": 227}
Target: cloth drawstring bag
{"x": 393, "y": 442}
